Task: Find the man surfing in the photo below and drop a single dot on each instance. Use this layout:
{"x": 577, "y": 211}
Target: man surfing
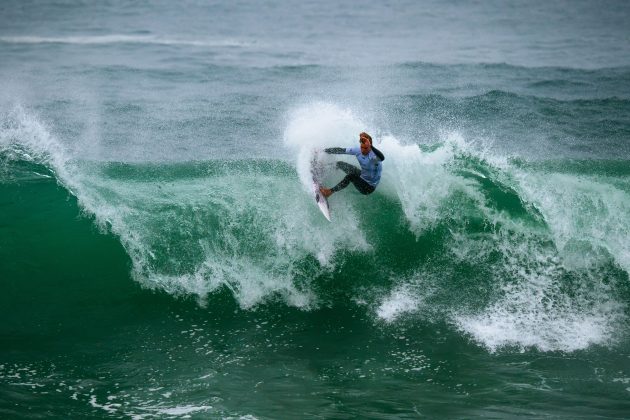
{"x": 365, "y": 179}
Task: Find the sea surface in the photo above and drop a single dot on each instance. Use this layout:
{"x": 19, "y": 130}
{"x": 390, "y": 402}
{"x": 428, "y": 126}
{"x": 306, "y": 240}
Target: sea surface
{"x": 161, "y": 254}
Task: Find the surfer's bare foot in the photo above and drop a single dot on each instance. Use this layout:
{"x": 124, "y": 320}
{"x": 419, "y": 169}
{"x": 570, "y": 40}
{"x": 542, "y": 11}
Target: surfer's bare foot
{"x": 325, "y": 192}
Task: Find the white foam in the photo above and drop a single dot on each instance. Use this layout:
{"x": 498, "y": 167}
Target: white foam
{"x": 582, "y": 209}
{"x": 419, "y": 179}
{"x": 255, "y": 247}
{"x": 111, "y": 408}
{"x": 423, "y": 182}
{"x": 402, "y": 300}
{"x": 249, "y": 282}
{"x": 544, "y": 329}
{"x": 318, "y": 126}
{"x": 582, "y": 222}
{"x": 532, "y": 308}
{"x": 182, "y": 409}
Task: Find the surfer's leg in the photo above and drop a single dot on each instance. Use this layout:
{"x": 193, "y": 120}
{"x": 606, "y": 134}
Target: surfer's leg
{"x": 351, "y": 171}
{"x": 342, "y": 184}
{"x": 348, "y": 169}
{"x": 354, "y": 176}
{"x": 358, "y": 182}
{"x": 362, "y": 186}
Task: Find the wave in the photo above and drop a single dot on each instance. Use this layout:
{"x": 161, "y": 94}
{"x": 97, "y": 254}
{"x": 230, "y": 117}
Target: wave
{"x": 516, "y": 68}
{"x": 509, "y": 253}
{"x": 559, "y": 83}
{"x": 125, "y": 39}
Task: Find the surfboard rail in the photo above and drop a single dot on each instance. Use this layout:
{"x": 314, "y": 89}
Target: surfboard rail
{"x": 322, "y": 202}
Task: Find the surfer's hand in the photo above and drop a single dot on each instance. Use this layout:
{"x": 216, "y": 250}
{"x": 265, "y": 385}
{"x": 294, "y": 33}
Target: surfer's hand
{"x": 325, "y": 191}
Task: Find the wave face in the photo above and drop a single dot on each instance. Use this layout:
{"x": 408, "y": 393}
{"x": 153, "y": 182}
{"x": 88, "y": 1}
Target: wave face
{"x": 509, "y": 253}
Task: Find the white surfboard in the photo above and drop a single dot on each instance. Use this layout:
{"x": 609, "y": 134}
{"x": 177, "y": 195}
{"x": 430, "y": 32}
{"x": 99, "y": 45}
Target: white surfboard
{"x": 322, "y": 202}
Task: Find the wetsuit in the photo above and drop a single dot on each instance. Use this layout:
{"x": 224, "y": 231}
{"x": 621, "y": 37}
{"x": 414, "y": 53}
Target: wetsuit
{"x": 365, "y": 179}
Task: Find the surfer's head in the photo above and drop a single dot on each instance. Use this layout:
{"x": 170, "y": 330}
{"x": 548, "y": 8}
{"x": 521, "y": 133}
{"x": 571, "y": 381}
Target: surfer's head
{"x": 366, "y": 143}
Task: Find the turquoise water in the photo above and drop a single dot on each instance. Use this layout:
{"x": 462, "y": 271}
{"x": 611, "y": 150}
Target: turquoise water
{"x": 161, "y": 255}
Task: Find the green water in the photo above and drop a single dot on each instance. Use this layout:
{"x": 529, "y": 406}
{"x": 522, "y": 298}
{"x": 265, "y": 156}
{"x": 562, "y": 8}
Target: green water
{"x": 80, "y": 337}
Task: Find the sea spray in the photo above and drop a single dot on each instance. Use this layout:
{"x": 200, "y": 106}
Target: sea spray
{"x": 315, "y": 127}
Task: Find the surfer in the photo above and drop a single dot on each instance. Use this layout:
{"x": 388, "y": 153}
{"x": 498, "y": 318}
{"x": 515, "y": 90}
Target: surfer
{"x": 365, "y": 179}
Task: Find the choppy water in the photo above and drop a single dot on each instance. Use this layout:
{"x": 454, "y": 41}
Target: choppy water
{"x": 160, "y": 255}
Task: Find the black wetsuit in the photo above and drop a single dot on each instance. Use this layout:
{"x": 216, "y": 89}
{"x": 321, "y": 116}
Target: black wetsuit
{"x": 353, "y": 174}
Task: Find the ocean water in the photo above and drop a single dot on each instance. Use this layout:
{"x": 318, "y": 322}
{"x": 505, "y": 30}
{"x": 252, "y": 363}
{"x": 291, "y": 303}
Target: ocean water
{"x": 161, "y": 255}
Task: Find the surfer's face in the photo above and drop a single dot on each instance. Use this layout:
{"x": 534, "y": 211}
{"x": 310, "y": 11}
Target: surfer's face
{"x": 366, "y": 146}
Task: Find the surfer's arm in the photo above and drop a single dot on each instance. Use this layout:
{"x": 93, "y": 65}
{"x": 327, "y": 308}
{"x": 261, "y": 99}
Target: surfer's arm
{"x": 378, "y": 153}
{"x": 336, "y": 151}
